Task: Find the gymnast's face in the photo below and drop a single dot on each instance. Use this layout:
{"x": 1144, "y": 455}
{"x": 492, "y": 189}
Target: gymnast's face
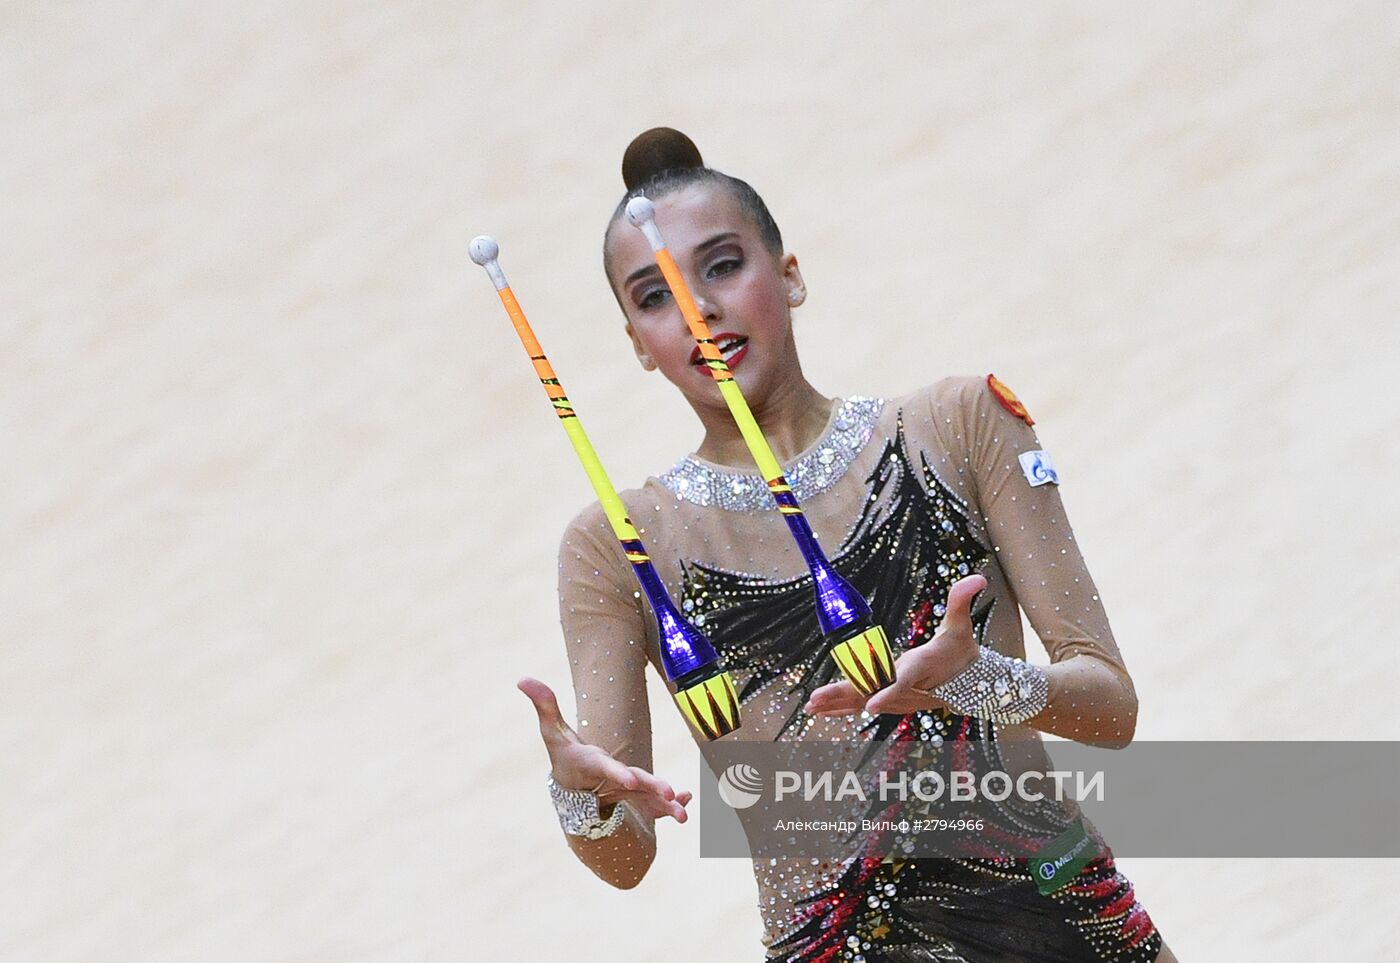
{"x": 744, "y": 291}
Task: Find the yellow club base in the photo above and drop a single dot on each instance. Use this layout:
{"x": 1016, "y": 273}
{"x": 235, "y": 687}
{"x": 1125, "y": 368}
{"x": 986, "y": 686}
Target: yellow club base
{"x": 866, "y": 660}
{"x": 712, "y": 706}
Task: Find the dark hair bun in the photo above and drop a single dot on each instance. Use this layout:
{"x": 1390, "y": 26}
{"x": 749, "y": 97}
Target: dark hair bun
{"x": 656, "y": 150}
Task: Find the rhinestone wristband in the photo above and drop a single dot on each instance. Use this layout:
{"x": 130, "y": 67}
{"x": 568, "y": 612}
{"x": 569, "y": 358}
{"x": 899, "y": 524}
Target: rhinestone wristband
{"x": 996, "y": 687}
{"x": 578, "y": 812}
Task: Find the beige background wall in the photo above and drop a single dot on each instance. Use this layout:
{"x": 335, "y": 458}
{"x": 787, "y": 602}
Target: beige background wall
{"x": 281, "y": 499}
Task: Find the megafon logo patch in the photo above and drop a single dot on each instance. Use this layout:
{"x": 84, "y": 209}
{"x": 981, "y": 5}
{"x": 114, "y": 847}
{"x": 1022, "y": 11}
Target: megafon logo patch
{"x": 740, "y": 786}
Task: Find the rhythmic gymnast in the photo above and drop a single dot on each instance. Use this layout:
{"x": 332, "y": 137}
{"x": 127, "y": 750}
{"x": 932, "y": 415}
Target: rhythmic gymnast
{"x": 940, "y": 507}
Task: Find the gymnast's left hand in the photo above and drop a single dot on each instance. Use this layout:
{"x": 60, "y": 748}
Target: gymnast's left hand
{"x": 952, "y": 649}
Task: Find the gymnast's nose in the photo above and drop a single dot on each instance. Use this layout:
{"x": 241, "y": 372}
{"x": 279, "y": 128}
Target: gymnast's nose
{"x": 708, "y": 306}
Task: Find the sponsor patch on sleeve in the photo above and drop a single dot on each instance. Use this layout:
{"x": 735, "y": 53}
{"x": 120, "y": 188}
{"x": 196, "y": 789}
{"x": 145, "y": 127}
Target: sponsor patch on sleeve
{"x": 1038, "y": 468}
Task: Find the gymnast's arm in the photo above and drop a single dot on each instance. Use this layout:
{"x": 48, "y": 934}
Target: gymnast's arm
{"x": 1091, "y": 698}
{"x": 610, "y": 751}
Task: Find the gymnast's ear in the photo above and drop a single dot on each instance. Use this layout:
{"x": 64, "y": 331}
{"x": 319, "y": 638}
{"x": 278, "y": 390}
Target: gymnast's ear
{"x": 792, "y": 274}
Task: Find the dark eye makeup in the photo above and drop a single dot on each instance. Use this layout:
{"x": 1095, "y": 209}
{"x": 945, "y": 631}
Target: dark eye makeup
{"x": 722, "y": 263}
{"x": 653, "y": 297}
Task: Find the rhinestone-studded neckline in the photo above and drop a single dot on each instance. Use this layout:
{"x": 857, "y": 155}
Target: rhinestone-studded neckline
{"x": 821, "y": 467}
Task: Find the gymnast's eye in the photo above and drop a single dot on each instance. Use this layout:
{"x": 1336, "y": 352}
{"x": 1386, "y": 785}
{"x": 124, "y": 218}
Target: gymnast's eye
{"x": 725, "y": 265}
{"x": 653, "y": 297}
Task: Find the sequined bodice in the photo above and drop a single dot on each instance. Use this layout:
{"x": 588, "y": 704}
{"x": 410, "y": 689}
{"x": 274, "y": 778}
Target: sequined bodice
{"x": 906, "y": 497}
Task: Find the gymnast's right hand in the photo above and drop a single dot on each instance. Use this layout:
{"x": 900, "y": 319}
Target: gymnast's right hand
{"x": 578, "y": 765}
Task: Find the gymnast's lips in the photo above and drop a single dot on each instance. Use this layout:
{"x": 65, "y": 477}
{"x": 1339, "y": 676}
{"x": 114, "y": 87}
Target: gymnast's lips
{"x": 732, "y": 346}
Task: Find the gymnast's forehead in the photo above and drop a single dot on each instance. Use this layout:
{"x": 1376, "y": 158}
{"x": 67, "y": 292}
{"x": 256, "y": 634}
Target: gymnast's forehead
{"x": 687, "y": 217}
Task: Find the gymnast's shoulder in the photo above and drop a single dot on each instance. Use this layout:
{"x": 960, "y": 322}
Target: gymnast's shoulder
{"x": 959, "y": 413}
{"x": 590, "y": 525}
{"x": 950, "y": 390}
{"x": 947, "y": 401}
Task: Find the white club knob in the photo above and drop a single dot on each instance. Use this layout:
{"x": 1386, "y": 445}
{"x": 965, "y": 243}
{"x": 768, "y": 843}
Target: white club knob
{"x": 642, "y": 213}
{"x": 639, "y": 210}
{"x": 484, "y": 249}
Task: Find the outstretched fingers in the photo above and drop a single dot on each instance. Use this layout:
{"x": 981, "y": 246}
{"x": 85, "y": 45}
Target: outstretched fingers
{"x": 653, "y": 797}
{"x": 579, "y": 765}
{"x": 636, "y": 779}
{"x": 612, "y": 776}
{"x": 835, "y": 699}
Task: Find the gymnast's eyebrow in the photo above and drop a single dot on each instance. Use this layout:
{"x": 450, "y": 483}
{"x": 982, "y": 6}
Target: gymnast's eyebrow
{"x": 700, "y": 248}
{"x": 640, "y": 273}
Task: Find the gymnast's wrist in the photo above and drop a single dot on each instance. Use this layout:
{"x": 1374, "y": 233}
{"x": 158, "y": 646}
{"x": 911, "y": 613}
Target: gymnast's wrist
{"x": 582, "y": 813}
{"x": 996, "y": 687}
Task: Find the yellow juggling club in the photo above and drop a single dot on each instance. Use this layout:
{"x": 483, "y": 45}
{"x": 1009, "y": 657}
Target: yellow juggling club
{"x": 704, "y": 691}
{"x": 858, "y": 643}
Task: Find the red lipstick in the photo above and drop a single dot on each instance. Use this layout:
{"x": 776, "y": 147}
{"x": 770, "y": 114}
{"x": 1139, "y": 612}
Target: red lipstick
{"x": 732, "y": 346}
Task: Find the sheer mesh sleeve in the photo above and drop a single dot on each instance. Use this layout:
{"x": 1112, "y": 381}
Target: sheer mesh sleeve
{"x": 604, "y": 622}
{"x": 1030, "y": 534}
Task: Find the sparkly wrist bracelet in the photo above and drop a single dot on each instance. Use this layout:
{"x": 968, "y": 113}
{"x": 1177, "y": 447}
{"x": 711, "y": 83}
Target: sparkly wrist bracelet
{"x": 996, "y": 687}
{"x": 579, "y": 814}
